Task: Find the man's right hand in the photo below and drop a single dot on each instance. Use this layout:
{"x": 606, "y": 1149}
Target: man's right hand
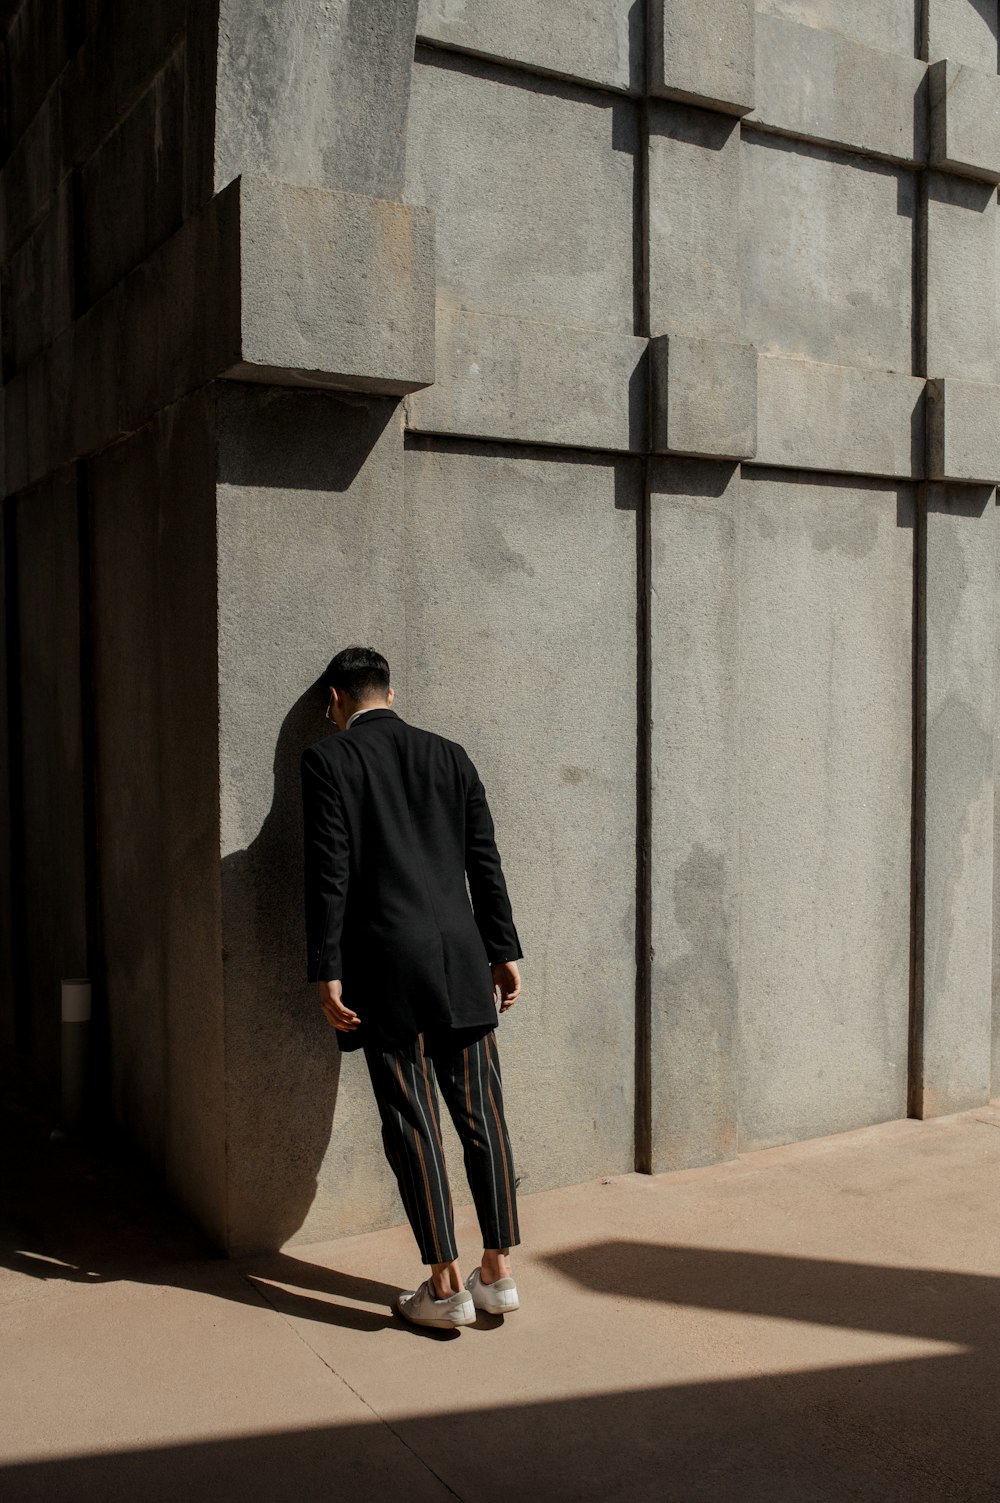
{"x": 339, "y": 1016}
{"x": 507, "y": 977}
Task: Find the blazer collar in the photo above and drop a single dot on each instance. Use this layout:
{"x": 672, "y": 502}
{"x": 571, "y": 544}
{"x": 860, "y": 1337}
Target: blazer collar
{"x": 378, "y": 714}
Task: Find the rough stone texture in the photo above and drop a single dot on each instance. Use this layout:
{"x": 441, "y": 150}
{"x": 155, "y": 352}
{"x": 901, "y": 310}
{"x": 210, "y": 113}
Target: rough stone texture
{"x": 588, "y": 39}
{"x": 963, "y": 30}
{"x": 704, "y": 397}
{"x": 702, "y": 51}
{"x": 825, "y": 644}
{"x": 310, "y": 528}
{"x": 965, "y": 120}
{"x": 335, "y": 286}
{"x": 694, "y": 251}
{"x": 315, "y": 96}
{"x": 47, "y": 723}
{"x": 694, "y": 704}
{"x": 521, "y": 231}
{"x": 833, "y": 417}
{"x": 826, "y": 246}
{"x": 508, "y": 378}
{"x": 155, "y": 683}
{"x": 890, "y": 25}
{"x": 963, "y": 431}
{"x": 960, "y": 583}
{"x": 963, "y": 324}
{"x": 818, "y": 85}
{"x": 540, "y": 571}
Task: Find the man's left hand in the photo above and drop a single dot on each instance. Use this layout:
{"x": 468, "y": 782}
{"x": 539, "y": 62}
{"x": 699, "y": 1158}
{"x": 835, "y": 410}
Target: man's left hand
{"x": 337, "y": 1015}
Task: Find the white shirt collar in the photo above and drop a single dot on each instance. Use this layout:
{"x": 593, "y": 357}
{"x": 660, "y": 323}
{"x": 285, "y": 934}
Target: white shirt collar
{"x": 351, "y": 719}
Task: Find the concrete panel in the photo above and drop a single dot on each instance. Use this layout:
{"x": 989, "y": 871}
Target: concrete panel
{"x": 335, "y": 287}
{"x": 963, "y": 431}
{"x": 694, "y": 834}
{"x": 589, "y": 39}
{"x": 827, "y": 244}
{"x": 825, "y": 611}
{"x": 824, "y": 87}
{"x": 891, "y": 24}
{"x": 963, "y": 331}
{"x": 963, "y": 30}
{"x": 310, "y": 528}
{"x": 8, "y": 887}
{"x": 156, "y": 698}
{"x": 961, "y": 564}
{"x": 539, "y": 572}
{"x": 702, "y": 51}
{"x": 694, "y": 183}
{"x": 315, "y": 95}
{"x": 704, "y": 397}
{"x": 47, "y": 720}
{"x": 830, "y": 417}
{"x": 133, "y": 186}
{"x": 509, "y": 378}
{"x": 38, "y": 285}
{"x": 530, "y": 233}
{"x": 965, "y": 120}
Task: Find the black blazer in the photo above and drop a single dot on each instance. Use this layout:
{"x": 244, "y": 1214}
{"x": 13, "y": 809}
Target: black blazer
{"x": 394, "y": 819}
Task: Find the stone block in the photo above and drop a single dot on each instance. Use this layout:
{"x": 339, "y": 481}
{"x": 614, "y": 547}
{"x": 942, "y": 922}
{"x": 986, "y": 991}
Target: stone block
{"x": 702, "y": 51}
{"x": 827, "y": 251}
{"x": 825, "y": 798}
{"x": 962, "y": 31}
{"x": 538, "y": 571}
{"x": 704, "y": 397}
{"x": 589, "y": 39}
{"x": 694, "y": 830}
{"x": 508, "y": 378}
{"x": 316, "y": 96}
{"x": 694, "y": 256}
{"x": 956, "y": 960}
{"x": 965, "y": 120}
{"x": 38, "y": 284}
{"x": 527, "y": 232}
{"x": 830, "y": 417}
{"x": 890, "y": 25}
{"x": 820, "y": 86}
{"x": 963, "y": 325}
{"x": 335, "y": 288}
{"x": 963, "y": 431}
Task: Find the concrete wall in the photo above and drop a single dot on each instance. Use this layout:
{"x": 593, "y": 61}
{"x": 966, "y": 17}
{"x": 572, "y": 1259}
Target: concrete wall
{"x": 628, "y": 376}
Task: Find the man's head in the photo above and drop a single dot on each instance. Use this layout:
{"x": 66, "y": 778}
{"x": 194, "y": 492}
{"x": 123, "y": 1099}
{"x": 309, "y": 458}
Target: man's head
{"x": 357, "y": 677}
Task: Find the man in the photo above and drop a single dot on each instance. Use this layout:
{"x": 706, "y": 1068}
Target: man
{"x": 395, "y": 819}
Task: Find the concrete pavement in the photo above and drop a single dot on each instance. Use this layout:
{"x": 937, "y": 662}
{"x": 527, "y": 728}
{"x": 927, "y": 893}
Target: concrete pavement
{"x": 812, "y": 1322}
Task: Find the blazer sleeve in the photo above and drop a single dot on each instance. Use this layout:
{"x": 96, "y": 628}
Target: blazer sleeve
{"x": 326, "y": 867}
{"x": 490, "y": 902}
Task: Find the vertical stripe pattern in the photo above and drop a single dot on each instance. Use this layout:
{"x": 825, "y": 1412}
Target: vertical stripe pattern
{"x": 466, "y": 1068}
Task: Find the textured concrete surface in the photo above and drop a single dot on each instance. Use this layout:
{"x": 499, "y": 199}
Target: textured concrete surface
{"x": 965, "y": 33}
{"x": 702, "y": 51}
{"x": 963, "y": 430}
{"x": 890, "y": 25}
{"x": 704, "y": 397}
{"x": 811, "y": 1321}
{"x": 964, "y": 120}
{"x": 832, "y": 417}
{"x": 539, "y": 570}
{"x": 963, "y": 323}
{"x": 825, "y": 714}
{"x": 960, "y": 584}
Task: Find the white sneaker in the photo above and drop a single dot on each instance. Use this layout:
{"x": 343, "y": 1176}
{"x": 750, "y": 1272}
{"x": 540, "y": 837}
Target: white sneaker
{"x": 423, "y": 1308}
{"x": 498, "y": 1298}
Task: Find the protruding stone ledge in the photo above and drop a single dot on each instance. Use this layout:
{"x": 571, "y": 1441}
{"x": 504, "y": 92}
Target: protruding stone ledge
{"x": 965, "y": 120}
{"x": 704, "y": 397}
{"x": 702, "y": 52}
{"x": 815, "y": 416}
{"x": 818, "y": 86}
{"x": 963, "y": 431}
{"x": 528, "y": 382}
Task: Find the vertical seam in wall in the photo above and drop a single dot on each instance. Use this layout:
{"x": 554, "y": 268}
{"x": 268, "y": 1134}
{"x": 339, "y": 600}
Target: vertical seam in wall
{"x": 643, "y": 1125}
{"x": 21, "y": 1006}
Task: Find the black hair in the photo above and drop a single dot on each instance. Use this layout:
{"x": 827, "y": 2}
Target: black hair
{"x": 358, "y": 672}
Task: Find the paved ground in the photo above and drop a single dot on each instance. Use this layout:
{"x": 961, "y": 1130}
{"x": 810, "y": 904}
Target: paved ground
{"x": 817, "y": 1322}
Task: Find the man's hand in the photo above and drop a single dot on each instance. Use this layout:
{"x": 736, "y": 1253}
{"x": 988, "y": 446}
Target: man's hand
{"x": 339, "y": 1016}
{"x": 507, "y": 977}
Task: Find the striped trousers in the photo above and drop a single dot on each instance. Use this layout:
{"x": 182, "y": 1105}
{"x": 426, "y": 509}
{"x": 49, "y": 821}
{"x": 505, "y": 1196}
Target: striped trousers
{"x": 465, "y": 1065}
